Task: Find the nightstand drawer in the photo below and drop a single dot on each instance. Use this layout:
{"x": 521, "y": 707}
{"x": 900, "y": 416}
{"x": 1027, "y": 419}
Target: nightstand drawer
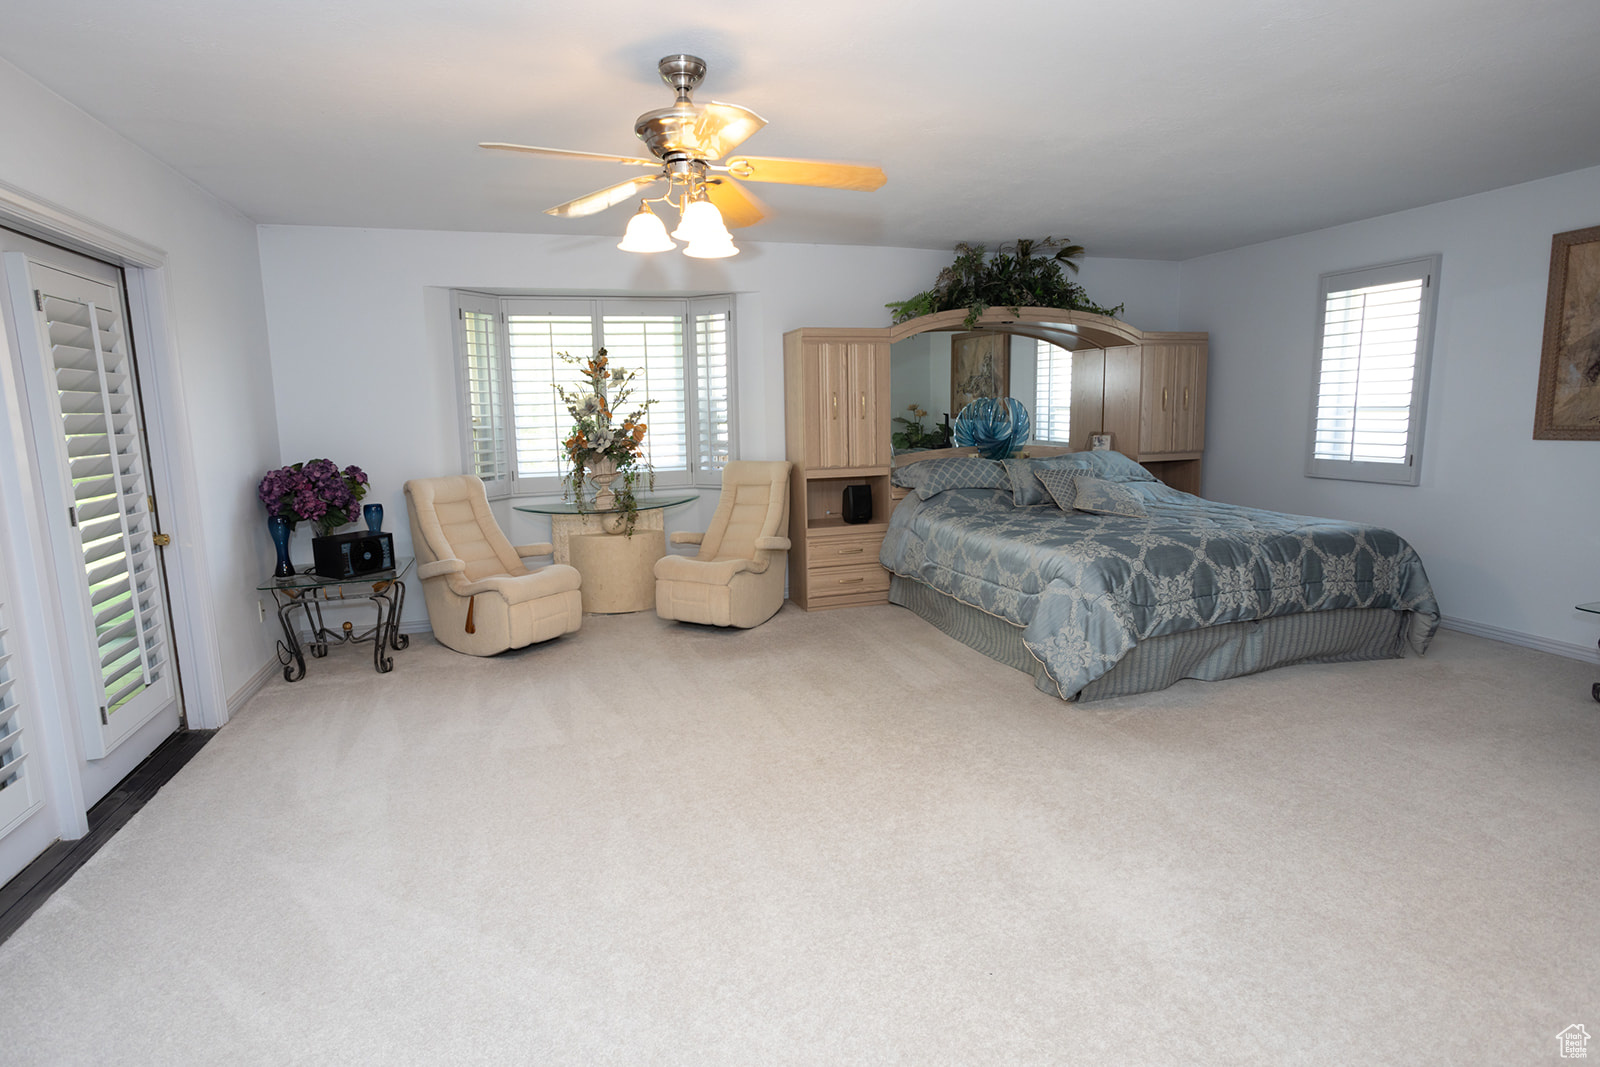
{"x": 843, "y": 551}
{"x": 845, "y": 581}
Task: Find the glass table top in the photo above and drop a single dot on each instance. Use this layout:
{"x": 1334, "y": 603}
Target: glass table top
{"x": 304, "y": 578}
{"x": 645, "y": 502}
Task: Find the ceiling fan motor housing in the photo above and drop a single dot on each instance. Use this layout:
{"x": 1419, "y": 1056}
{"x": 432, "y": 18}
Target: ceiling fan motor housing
{"x": 683, "y": 73}
{"x": 670, "y": 129}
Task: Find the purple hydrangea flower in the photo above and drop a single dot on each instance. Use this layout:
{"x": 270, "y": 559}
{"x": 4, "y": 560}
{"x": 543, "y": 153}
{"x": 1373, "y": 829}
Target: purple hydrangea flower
{"x": 314, "y": 491}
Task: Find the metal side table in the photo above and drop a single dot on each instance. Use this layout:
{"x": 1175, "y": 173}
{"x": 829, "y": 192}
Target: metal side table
{"x": 1593, "y": 609}
{"x": 306, "y": 593}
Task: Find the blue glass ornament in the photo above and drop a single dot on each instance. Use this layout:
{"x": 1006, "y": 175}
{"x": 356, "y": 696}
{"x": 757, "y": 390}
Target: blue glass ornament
{"x": 997, "y": 427}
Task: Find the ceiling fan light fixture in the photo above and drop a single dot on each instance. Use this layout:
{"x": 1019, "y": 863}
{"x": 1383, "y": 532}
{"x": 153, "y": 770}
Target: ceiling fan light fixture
{"x": 646, "y": 233}
{"x": 702, "y": 222}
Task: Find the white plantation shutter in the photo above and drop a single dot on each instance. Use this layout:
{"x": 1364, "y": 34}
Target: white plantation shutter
{"x": 713, "y": 322}
{"x": 101, "y": 462}
{"x": 652, "y": 346}
{"x": 1372, "y": 354}
{"x": 19, "y": 792}
{"x": 483, "y": 369}
{"x": 1052, "y": 401}
{"x": 681, "y": 353}
{"x": 536, "y": 343}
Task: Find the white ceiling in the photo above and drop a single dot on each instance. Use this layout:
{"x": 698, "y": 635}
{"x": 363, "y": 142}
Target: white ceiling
{"x": 1141, "y": 128}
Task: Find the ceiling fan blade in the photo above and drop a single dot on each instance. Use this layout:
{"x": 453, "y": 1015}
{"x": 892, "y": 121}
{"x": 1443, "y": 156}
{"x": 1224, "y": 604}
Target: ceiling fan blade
{"x": 806, "y": 172}
{"x": 738, "y": 205}
{"x": 566, "y": 153}
{"x": 721, "y": 128}
{"x": 601, "y": 199}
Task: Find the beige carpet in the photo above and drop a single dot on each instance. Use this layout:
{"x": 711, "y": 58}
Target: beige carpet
{"x": 843, "y": 838}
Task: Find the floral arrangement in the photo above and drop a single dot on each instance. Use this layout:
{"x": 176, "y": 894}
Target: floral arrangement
{"x": 915, "y": 435}
{"x": 597, "y": 447}
{"x": 315, "y": 491}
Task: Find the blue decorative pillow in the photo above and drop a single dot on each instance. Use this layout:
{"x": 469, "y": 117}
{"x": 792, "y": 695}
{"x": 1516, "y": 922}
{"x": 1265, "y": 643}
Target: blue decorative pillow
{"x": 1061, "y": 485}
{"x": 1027, "y": 490}
{"x": 1101, "y": 497}
{"x": 934, "y": 476}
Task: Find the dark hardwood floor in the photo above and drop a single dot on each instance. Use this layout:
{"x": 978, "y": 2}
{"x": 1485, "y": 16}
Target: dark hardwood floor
{"x": 21, "y": 897}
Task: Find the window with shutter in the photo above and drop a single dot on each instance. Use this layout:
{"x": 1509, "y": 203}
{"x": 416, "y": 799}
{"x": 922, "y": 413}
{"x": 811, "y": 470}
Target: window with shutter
{"x": 680, "y": 352}
{"x": 1369, "y": 394}
{"x": 713, "y": 400}
{"x": 102, "y": 464}
{"x": 482, "y": 369}
{"x": 1052, "y": 398}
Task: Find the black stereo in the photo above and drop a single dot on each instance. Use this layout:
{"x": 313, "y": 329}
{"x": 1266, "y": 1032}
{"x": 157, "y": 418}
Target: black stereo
{"x": 349, "y": 555}
{"x": 857, "y": 503}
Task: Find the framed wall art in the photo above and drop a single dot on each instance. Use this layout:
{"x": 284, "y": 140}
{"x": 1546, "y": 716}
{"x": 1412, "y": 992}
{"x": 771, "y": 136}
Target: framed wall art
{"x": 1568, "y": 405}
{"x": 980, "y": 365}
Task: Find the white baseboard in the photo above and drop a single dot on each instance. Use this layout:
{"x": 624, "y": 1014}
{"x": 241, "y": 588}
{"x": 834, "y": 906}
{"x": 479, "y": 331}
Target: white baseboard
{"x": 1587, "y": 653}
{"x": 253, "y": 686}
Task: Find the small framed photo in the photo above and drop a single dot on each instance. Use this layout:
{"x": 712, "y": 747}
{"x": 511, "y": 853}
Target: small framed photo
{"x": 1100, "y": 442}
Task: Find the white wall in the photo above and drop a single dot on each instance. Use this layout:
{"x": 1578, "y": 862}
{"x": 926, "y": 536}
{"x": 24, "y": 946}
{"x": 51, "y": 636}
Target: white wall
{"x": 1508, "y": 527}
{"x": 52, "y": 151}
{"x": 361, "y": 338}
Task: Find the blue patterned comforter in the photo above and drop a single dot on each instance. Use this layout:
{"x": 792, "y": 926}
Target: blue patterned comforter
{"x": 1084, "y": 588}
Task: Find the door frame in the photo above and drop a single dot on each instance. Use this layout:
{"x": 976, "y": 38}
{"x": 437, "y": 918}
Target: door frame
{"x": 201, "y": 685}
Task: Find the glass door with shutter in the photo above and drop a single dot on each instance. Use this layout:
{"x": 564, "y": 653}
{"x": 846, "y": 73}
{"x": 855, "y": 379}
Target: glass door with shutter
{"x": 94, "y": 483}
{"x": 21, "y": 794}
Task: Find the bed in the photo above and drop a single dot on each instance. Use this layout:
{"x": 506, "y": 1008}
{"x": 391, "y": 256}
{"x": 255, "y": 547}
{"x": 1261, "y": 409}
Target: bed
{"x": 1087, "y": 573}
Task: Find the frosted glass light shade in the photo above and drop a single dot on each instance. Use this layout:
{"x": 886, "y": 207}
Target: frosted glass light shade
{"x": 701, "y": 220}
{"x": 646, "y": 233}
{"x": 711, "y": 248}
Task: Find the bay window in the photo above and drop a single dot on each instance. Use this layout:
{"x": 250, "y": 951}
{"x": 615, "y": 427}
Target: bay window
{"x": 510, "y": 360}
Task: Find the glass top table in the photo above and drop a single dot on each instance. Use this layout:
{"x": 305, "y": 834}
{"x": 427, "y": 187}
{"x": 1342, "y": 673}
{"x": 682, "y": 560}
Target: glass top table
{"x": 309, "y": 579}
{"x": 643, "y": 501}
{"x": 616, "y": 558}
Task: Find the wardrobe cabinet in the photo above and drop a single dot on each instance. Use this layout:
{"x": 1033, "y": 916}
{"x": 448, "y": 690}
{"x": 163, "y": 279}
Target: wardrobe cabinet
{"x": 846, "y": 387}
{"x": 1153, "y": 404}
{"x": 836, "y": 396}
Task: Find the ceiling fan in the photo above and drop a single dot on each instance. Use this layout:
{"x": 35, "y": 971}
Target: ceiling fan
{"x": 687, "y": 141}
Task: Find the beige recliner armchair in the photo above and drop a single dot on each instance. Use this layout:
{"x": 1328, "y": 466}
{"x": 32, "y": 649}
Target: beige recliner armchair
{"x": 737, "y": 578}
{"x": 481, "y": 599}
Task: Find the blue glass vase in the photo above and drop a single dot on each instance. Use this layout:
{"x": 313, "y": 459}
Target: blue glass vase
{"x": 373, "y": 513}
{"x": 280, "y": 529}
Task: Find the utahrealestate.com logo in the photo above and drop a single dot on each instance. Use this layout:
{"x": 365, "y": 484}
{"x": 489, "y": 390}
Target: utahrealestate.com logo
{"x": 1574, "y": 1042}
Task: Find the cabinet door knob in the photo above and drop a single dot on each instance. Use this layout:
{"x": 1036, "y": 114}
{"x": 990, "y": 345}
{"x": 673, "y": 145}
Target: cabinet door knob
{"x": 863, "y": 405}
{"x": 1163, "y": 398}
{"x": 850, "y": 581}
{"x": 1186, "y": 398}
{"x": 835, "y": 405}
